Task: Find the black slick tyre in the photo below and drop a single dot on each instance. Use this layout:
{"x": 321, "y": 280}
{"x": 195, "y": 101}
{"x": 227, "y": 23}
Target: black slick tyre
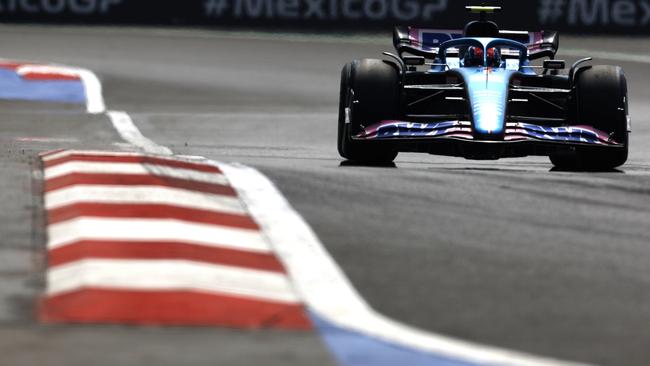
{"x": 601, "y": 102}
{"x": 369, "y": 94}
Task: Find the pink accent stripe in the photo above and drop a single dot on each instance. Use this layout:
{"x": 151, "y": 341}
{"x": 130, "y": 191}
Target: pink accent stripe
{"x": 415, "y": 35}
{"x": 101, "y": 306}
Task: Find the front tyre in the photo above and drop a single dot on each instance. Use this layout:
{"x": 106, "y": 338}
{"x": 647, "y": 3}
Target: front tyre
{"x": 601, "y": 102}
{"x": 369, "y": 94}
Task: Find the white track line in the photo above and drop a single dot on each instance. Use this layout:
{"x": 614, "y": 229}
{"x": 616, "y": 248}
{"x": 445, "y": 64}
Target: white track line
{"x": 91, "y": 167}
{"x": 143, "y": 195}
{"x": 135, "y": 229}
{"x": 168, "y": 275}
{"x": 94, "y": 96}
{"x": 131, "y": 134}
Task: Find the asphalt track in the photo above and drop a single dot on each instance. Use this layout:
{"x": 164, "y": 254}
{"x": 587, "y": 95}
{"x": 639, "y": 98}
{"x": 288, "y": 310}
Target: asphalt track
{"x": 506, "y": 253}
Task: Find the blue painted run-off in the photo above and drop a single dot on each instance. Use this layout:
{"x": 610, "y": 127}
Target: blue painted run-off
{"x": 355, "y": 349}
{"x": 13, "y": 87}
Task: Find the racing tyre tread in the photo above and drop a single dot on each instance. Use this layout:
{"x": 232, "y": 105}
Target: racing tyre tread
{"x": 601, "y": 101}
{"x": 375, "y": 84}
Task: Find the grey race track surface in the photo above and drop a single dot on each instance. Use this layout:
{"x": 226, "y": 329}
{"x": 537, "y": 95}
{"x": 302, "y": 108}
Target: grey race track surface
{"x": 507, "y": 253}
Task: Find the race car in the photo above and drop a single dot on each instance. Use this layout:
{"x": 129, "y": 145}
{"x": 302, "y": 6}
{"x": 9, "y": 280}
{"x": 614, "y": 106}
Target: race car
{"x": 483, "y": 93}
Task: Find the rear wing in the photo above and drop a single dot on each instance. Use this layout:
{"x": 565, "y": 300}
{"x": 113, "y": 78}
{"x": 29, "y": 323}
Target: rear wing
{"x": 424, "y": 42}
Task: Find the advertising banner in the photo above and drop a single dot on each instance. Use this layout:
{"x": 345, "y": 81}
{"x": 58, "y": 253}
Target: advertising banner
{"x": 576, "y": 16}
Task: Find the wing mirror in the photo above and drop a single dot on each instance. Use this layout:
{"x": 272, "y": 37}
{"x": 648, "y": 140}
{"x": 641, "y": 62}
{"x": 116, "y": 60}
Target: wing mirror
{"x": 554, "y": 64}
{"x": 413, "y": 60}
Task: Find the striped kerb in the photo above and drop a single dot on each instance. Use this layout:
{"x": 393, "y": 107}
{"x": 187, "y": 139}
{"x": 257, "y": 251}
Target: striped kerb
{"x": 150, "y": 240}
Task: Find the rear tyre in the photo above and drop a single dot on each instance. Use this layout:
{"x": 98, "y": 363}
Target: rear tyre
{"x": 601, "y": 101}
{"x": 369, "y": 94}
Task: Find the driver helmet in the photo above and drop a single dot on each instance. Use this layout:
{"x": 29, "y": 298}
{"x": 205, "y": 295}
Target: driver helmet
{"x": 493, "y": 57}
{"x": 473, "y": 56}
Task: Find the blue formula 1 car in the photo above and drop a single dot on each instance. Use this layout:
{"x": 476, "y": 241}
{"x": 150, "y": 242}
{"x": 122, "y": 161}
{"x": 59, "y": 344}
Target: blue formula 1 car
{"x": 477, "y": 94}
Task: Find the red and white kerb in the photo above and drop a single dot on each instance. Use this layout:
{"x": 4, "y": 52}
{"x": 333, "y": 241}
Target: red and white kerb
{"x": 144, "y": 239}
{"x": 30, "y": 71}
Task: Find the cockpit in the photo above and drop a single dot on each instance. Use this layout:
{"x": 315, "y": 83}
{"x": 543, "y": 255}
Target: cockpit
{"x": 482, "y": 52}
{"x": 475, "y": 56}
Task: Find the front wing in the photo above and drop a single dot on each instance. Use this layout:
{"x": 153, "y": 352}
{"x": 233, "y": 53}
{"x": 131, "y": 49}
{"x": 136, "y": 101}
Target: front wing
{"x": 456, "y": 138}
{"x": 515, "y": 131}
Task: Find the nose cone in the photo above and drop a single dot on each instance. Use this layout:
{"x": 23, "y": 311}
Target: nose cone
{"x": 488, "y": 92}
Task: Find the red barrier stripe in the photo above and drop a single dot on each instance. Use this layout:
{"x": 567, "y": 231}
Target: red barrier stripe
{"x": 149, "y": 211}
{"x": 139, "y": 159}
{"x": 136, "y": 180}
{"x": 10, "y": 65}
{"x": 159, "y": 250}
{"x": 170, "y": 308}
{"x": 43, "y": 76}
